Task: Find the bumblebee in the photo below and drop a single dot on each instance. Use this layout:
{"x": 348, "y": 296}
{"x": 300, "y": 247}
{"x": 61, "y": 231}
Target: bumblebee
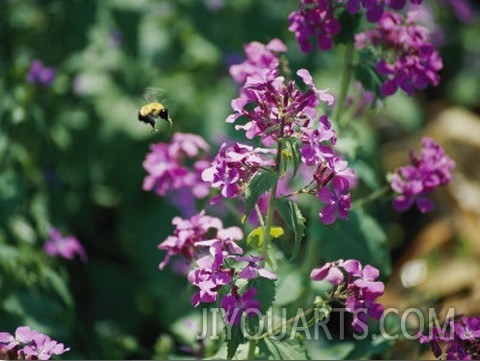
{"x": 153, "y": 110}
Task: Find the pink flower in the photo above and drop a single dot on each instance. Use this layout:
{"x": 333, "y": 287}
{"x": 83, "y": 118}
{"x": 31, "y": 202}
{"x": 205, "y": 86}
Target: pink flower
{"x": 259, "y": 57}
{"x": 65, "y": 247}
{"x": 427, "y": 171}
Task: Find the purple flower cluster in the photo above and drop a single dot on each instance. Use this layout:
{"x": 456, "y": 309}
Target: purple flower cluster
{"x": 167, "y": 167}
{"x": 278, "y": 107}
{"x": 198, "y": 228}
{"x": 356, "y": 286}
{"x": 276, "y": 110}
{"x": 460, "y": 340}
{"x": 409, "y": 59}
{"x": 333, "y": 177}
{"x": 235, "y": 305}
{"x": 65, "y": 247}
{"x": 427, "y": 171}
{"x": 28, "y": 344}
{"x": 259, "y": 57}
{"x": 319, "y": 18}
{"x": 207, "y": 245}
{"x": 233, "y": 167}
{"x": 40, "y": 74}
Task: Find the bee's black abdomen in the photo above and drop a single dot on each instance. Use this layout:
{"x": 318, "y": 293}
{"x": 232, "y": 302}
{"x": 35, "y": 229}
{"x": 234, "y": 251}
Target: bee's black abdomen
{"x": 148, "y": 119}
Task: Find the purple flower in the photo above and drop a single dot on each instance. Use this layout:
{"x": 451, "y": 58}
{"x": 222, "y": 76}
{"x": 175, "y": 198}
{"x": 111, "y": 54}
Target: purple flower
{"x": 29, "y": 344}
{"x": 317, "y": 18}
{"x": 189, "y": 234}
{"x": 23, "y": 334}
{"x": 259, "y": 57}
{"x": 253, "y": 268}
{"x": 209, "y": 277}
{"x": 168, "y": 171}
{"x": 337, "y": 201}
{"x": 274, "y": 109}
{"x": 358, "y": 288}
{"x": 233, "y": 167}
{"x": 43, "y": 348}
{"x": 40, "y": 74}
{"x": 314, "y": 18}
{"x": 460, "y": 340}
{"x": 330, "y": 271}
{"x": 427, "y": 171}
{"x": 410, "y": 60}
{"x": 65, "y": 247}
{"x": 236, "y": 305}
{"x": 333, "y": 272}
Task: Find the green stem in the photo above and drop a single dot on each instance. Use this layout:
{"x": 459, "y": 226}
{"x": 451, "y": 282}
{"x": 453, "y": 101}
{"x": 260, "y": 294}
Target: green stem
{"x": 346, "y": 77}
{"x": 311, "y": 255}
{"x": 251, "y": 349}
{"x": 371, "y": 197}
{"x": 290, "y": 321}
{"x": 271, "y": 207}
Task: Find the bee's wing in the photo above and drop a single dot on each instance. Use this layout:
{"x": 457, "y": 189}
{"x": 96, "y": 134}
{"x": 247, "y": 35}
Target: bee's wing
{"x": 154, "y": 94}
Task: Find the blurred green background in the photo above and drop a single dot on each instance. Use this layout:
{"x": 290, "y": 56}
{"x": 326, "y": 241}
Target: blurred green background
{"x": 71, "y": 153}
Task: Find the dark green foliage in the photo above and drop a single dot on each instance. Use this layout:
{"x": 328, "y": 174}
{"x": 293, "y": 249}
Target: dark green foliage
{"x": 294, "y": 219}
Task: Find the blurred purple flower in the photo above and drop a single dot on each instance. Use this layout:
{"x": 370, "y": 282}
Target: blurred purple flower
{"x": 40, "y": 74}
{"x": 427, "y": 171}
{"x": 409, "y": 59}
{"x": 115, "y": 37}
{"x": 316, "y": 18}
{"x": 236, "y": 305}
{"x": 459, "y": 340}
{"x": 214, "y": 5}
{"x": 28, "y": 344}
{"x": 65, "y": 247}
{"x": 169, "y": 170}
{"x": 259, "y": 58}
{"x": 43, "y": 348}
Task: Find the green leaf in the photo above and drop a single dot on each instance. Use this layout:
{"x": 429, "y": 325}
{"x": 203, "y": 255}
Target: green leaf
{"x": 58, "y": 284}
{"x": 361, "y": 238}
{"x": 260, "y": 183}
{"x": 285, "y": 349}
{"x": 349, "y": 24}
{"x": 365, "y": 72}
{"x": 266, "y": 291}
{"x": 234, "y": 338}
{"x": 294, "y": 219}
{"x": 255, "y": 238}
{"x": 291, "y": 151}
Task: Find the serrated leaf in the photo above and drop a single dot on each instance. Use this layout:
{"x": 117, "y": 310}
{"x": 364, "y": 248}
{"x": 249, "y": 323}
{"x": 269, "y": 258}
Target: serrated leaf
{"x": 266, "y": 291}
{"x": 234, "y": 338}
{"x": 259, "y": 184}
{"x": 285, "y": 349}
{"x": 294, "y": 219}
